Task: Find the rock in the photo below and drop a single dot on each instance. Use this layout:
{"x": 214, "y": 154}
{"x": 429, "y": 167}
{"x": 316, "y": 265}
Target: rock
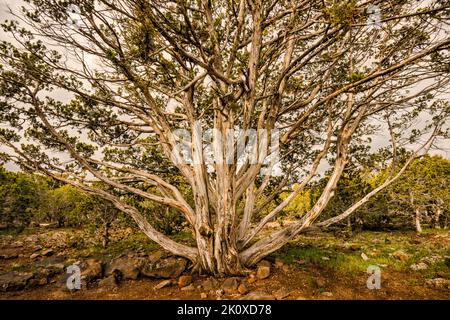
{"x": 127, "y": 267}
{"x": 432, "y": 260}
{"x": 230, "y": 285}
{"x": 35, "y": 256}
{"x": 319, "y": 282}
{"x": 327, "y": 294}
{"x": 203, "y": 295}
{"x": 263, "y": 270}
{"x": 56, "y": 267}
{"x": 184, "y": 281}
{"x": 219, "y": 293}
{"x": 242, "y": 289}
{"x": 92, "y": 271}
{"x": 364, "y": 256}
{"x": 258, "y": 295}
{"x": 108, "y": 282}
{"x": 13, "y": 280}
{"x": 188, "y": 288}
{"x": 209, "y": 284}
{"x": 47, "y": 253}
{"x": 419, "y": 266}
{"x": 400, "y": 255}
{"x": 326, "y": 258}
{"x": 163, "y": 284}
{"x": 157, "y": 255}
{"x": 9, "y": 256}
{"x": 439, "y": 283}
{"x": 167, "y": 268}
{"x": 281, "y": 294}
{"x": 251, "y": 278}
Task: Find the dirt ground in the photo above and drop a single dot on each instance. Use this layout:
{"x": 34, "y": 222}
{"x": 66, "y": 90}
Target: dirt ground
{"x": 312, "y": 267}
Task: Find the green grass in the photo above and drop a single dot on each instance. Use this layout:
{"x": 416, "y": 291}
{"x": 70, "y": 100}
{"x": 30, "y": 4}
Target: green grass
{"x": 312, "y": 249}
{"x": 136, "y": 242}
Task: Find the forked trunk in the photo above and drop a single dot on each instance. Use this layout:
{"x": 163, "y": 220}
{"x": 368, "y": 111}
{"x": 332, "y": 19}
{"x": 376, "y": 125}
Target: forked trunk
{"x": 221, "y": 257}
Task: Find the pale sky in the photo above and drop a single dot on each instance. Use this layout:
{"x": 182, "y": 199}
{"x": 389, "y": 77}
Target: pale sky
{"x": 378, "y": 140}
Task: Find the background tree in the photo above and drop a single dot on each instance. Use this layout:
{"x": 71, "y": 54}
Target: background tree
{"x": 65, "y": 206}
{"x": 20, "y": 195}
{"x": 133, "y": 72}
{"x": 423, "y": 191}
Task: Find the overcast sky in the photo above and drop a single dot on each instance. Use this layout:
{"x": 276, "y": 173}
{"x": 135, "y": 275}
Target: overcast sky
{"x": 379, "y": 140}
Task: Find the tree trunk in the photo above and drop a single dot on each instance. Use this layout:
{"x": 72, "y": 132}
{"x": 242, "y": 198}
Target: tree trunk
{"x": 417, "y": 219}
{"x": 106, "y": 226}
{"x": 437, "y": 214}
{"x": 222, "y": 256}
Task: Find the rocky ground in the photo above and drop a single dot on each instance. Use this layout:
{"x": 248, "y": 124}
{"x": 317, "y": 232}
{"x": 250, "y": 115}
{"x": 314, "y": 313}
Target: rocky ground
{"x": 35, "y": 265}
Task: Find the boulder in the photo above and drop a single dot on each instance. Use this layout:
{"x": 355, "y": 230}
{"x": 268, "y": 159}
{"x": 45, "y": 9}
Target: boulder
{"x": 209, "y": 284}
{"x": 319, "y": 282}
{"x": 35, "y": 256}
{"x": 93, "y": 270}
{"x": 242, "y": 289}
{"x": 10, "y": 253}
{"x": 230, "y": 285}
{"x": 47, "y": 252}
{"x": 13, "y": 281}
{"x": 439, "y": 283}
{"x": 108, "y": 283}
{"x": 251, "y": 278}
{"x": 432, "y": 259}
{"x": 163, "y": 284}
{"x": 419, "y": 266}
{"x": 400, "y": 255}
{"x": 128, "y": 268}
{"x": 184, "y": 281}
{"x": 157, "y": 255}
{"x": 263, "y": 270}
{"x": 166, "y": 268}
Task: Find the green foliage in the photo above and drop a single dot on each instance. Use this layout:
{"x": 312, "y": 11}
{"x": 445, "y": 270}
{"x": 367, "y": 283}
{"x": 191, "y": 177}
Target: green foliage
{"x": 65, "y": 205}
{"x": 20, "y": 195}
{"x": 424, "y": 187}
{"x": 301, "y": 203}
{"x": 342, "y": 12}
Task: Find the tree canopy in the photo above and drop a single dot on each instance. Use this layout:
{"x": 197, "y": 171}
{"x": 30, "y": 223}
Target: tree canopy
{"x": 95, "y": 91}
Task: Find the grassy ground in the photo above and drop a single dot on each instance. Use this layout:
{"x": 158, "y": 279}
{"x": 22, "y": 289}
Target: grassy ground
{"x": 344, "y": 255}
{"x": 314, "y": 266}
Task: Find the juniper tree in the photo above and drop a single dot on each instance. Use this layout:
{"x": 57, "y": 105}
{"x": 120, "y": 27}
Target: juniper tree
{"x": 95, "y": 91}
